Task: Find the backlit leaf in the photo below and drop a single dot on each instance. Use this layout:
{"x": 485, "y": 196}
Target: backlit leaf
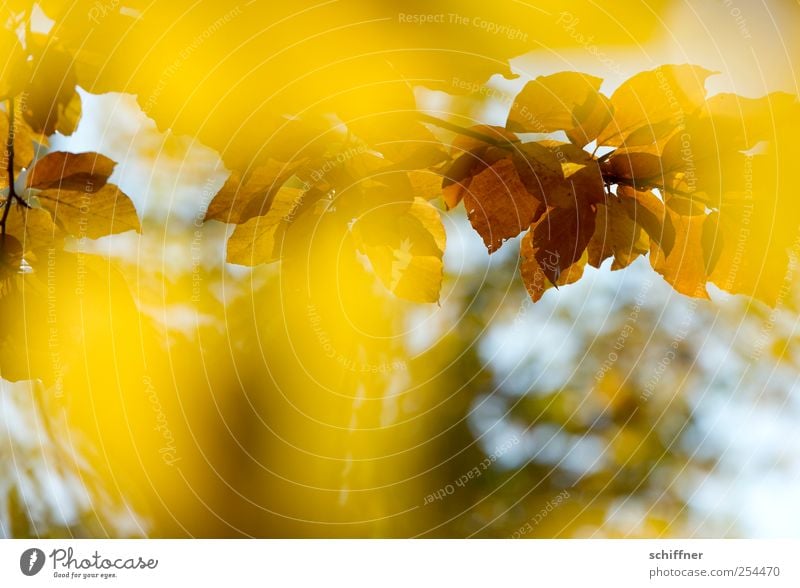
{"x": 406, "y": 253}
{"x": 76, "y": 172}
{"x": 244, "y": 197}
{"x": 667, "y": 93}
{"x": 567, "y": 101}
{"x": 92, "y": 214}
{"x": 616, "y": 235}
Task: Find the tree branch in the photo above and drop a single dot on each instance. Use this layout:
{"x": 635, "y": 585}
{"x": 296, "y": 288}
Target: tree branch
{"x": 10, "y": 168}
{"x": 496, "y": 141}
{"x": 12, "y": 194}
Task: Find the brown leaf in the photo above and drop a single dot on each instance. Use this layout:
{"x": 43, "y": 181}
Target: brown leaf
{"x": 533, "y": 273}
{"x": 616, "y": 235}
{"x": 559, "y": 174}
{"x": 257, "y": 240}
{"x": 639, "y": 158}
{"x": 559, "y": 238}
{"x": 498, "y": 204}
{"x": 459, "y": 174}
{"x": 649, "y": 212}
{"x": 75, "y": 172}
{"x": 590, "y": 118}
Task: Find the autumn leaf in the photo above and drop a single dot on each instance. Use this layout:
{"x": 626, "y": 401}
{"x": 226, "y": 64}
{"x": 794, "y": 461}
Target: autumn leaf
{"x": 739, "y": 123}
{"x": 591, "y": 118}
{"x": 745, "y": 262}
{"x": 51, "y": 100}
{"x": 426, "y": 184}
{"x": 667, "y": 93}
{"x": 558, "y": 239}
{"x": 498, "y": 204}
{"x": 540, "y": 170}
{"x": 616, "y": 235}
{"x": 258, "y": 239}
{"x": 107, "y": 211}
{"x": 458, "y": 176}
{"x": 13, "y": 72}
{"x": 254, "y": 242}
{"x": 640, "y": 159}
{"x": 24, "y": 137}
{"x": 71, "y": 171}
{"x": 534, "y": 273}
{"x": 246, "y": 196}
{"x": 649, "y": 212}
{"x": 34, "y": 230}
{"x": 565, "y": 101}
{"x": 405, "y": 253}
{"x": 74, "y": 188}
{"x": 684, "y": 267}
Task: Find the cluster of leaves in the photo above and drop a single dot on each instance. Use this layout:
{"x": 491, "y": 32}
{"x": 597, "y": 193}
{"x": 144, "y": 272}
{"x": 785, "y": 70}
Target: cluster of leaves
{"x": 48, "y": 195}
{"x": 688, "y": 179}
{"x": 692, "y": 181}
{"x": 386, "y": 205}
{"x": 675, "y": 177}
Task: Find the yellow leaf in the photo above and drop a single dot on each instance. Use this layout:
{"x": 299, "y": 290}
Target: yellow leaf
{"x": 92, "y": 214}
{"x": 425, "y": 184}
{"x": 34, "y": 230}
{"x": 684, "y": 266}
{"x": 23, "y": 144}
{"x": 459, "y": 174}
{"x": 243, "y": 198}
{"x": 649, "y": 212}
{"x": 258, "y": 239}
{"x": 406, "y": 252}
{"x": 255, "y": 241}
{"x": 13, "y": 71}
{"x": 565, "y": 101}
{"x": 667, "y": 93}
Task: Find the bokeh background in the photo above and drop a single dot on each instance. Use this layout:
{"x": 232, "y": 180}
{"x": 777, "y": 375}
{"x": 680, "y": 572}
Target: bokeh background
{"x": 208, "y": 399}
